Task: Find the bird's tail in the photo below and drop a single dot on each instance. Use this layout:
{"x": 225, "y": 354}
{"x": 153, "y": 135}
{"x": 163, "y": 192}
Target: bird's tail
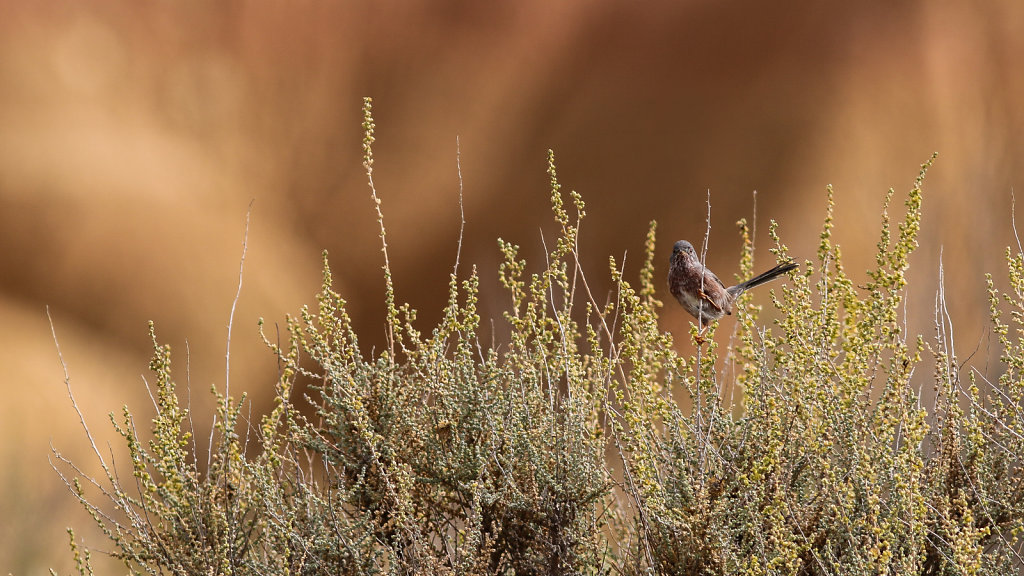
{"x": 763, "y": 277}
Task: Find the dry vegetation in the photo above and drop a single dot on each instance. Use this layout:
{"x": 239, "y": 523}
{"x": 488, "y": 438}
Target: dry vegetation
{"x": 444, "y": 454}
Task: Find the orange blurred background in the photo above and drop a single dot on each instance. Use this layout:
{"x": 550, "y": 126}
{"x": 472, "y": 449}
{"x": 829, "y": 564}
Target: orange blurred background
{"x": 133, "y": 136}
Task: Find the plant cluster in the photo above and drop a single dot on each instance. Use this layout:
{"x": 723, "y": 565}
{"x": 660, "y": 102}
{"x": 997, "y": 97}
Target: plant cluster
{"x": 587, "y": 444}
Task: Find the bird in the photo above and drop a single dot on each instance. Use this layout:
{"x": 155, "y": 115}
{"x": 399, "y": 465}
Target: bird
{"x": 701, "y": 293}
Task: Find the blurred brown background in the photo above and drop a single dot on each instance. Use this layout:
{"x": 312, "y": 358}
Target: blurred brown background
{"x": 134, "y": 135}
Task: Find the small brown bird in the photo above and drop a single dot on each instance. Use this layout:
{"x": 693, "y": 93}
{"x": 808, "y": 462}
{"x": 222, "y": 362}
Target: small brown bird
{"x": 700, "y": 292}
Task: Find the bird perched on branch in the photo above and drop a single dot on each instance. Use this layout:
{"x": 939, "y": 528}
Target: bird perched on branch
{"x": 701, "y": 293}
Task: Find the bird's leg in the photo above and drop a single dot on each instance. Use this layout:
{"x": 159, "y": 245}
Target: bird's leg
{"x": 710, "y": 300}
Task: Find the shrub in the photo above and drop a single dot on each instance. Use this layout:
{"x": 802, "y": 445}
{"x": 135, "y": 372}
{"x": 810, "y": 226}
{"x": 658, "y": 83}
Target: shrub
{"x": 586, "y": 444}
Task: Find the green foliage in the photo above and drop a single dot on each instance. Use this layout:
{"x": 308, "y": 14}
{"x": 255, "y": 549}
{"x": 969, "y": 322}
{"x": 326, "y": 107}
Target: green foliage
{"x": 587, "y": 444}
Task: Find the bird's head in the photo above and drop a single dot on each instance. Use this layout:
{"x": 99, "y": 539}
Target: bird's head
{"x": 683, "y": 249}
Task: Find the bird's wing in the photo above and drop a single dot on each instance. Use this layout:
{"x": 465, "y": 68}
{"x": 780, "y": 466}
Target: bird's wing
{"x": 710, "y": 277}
{"x": 708, "y": 274}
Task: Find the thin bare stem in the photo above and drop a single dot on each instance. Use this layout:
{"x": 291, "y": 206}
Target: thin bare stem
{"x": 1013, "y": 220}
{"x": 753, "y": 224}
{"x": 699, "y": 413}
{"x": 462, "y": 212}
{"x": 71, "y": 395}
{"x": 704, "y": 262}
{"x": 234, "y": 302}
